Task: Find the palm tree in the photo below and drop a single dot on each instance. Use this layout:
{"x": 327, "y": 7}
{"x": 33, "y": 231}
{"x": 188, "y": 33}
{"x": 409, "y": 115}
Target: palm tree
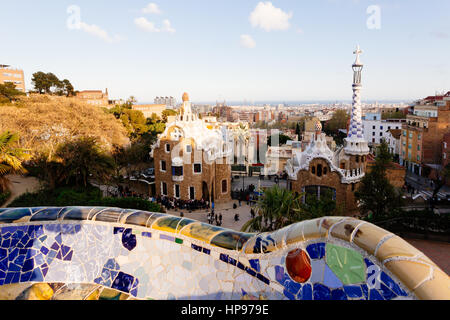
{"x": 83, "y": 159}
{"x": 276, "y": 209}
{"x": 11, "y": 158}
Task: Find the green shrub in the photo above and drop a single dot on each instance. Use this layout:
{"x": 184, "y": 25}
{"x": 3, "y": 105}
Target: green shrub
{"x": 90, "y": 197}
{"x": 4, "y": 197}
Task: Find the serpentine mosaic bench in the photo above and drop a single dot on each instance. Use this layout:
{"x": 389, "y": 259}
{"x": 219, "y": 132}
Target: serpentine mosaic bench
{"x": 109, "y": 253}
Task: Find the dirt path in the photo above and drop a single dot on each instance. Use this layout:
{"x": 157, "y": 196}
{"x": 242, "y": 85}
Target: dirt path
{"x": 20, "y": 185}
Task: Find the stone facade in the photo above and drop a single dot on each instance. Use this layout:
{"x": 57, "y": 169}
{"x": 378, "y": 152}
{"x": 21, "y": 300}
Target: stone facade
{"x": 192, "y": 161}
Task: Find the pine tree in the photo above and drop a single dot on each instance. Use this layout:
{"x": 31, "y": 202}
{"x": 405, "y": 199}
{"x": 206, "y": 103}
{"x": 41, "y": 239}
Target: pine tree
{"x": 376, "y": 194}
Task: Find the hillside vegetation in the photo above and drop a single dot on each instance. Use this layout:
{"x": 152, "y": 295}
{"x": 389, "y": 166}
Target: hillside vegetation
{"x": 44, "y": 122}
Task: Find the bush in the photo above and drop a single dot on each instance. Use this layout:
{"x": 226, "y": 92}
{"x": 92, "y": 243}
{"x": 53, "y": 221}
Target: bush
{"x": 90, "y": 197}
{"x": 4, "y": 197}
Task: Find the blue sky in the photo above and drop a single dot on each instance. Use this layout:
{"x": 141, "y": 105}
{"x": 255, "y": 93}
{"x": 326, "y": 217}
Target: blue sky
{"x": 295, "y": 49}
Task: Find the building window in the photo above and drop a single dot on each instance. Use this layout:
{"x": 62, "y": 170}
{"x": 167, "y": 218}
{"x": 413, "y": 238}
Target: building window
{"x": 167, "y": 148}
{"x": 192, "y": 193}
{"x": 325, "y": 171}
{"x": 404, "y": 133}
{"x": 197, "y": 168}
{"x": 357, "y": 159}
{"x": 188, "y": 148}
{"x": 164, "y": 188}
{"x": 343, "y": 165}
{"x": 410, "y": 135}
{"x": 177, "y": 191}
{"x": 163, "y": 166}
{"x": 313, "y": 170}
{"x": 419, "y": 136}
{"x": 373, "y": 134}
{"x": 373, "y": 127}
{"x": 177, "y": 171}
{"x": 353, "y": 187}
{"x": 418, "y": 158}
{"x": 418, "y": 148}
{"x": 224, "y": 186}
{"x": 319, "y": 170}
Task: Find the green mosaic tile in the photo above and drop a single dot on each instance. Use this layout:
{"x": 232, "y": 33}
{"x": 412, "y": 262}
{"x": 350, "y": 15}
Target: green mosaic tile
{"x": 347, "y": 264}
{"x": 179, "y": 241}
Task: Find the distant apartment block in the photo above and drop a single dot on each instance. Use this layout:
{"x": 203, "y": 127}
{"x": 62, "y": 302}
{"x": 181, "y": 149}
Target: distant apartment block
{"x": 168, "y": 101}
{"x": 15, "y": 76}
{"x": 149, "y": 109}
{"x": 376, "y": 129}
{"x": 94, "y": 97}
{"x": 424, "y": 132}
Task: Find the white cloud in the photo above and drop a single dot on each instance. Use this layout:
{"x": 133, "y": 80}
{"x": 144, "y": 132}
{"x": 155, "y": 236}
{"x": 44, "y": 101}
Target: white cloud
{"x": 145, "y": 25}
{"x": 267, "y": 17}
{"x": 151, "y": 8}
{"x": 99, "y": 32}
{"x": 247, "y": 41}
{"x": 167, "y": 27}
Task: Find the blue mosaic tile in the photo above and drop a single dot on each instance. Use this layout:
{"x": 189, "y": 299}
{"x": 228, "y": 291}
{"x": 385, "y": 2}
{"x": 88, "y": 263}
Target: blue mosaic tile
{"x": 129, "y": 239}
{"x": 279, "y": 274}
{"x": 375, "y": 295}
{"x": 368, "y": 262}
{"x": 65, "y": 250}
{"x": 240, "y": 266}
{"x": 292, "y": 286}
{"x": 69, "y": 256}
{"x": 26, "y": 276}
{"x": 307, "y": 292}
{"x": 37, "y": 275}
{"x": 44, "y": 250}
{"x": 386, "y": 292}
{"x": 168, "y": 238}
{"x": 365, "y": 290}
{"x": 316, "y": 250}
{"x": 330, "y": 279}
{"x": 123, "y": 282}
{"x": 254, "y": 263}
{"x": 321, "y": 292}
{"x": 112, "y": 264}
{"x": 338, "y": 294}
{"x": 224, "y": 257}
{"x": 232, "y": 261}
{"x": 118, "y": 230}
{"x": 250, "y": 271}
{"x": 28, "y": 265}
{"x": 263, "y": 279}
{"x": 391, "y": 284}
{"x": 353, "y": 291}
{"x": 288, "y": 295}
{"x": 55, "y": 246}
{"x": 147, "y": 234}
{"x": 206, "y": 251}
{"x": 198, "y": 248}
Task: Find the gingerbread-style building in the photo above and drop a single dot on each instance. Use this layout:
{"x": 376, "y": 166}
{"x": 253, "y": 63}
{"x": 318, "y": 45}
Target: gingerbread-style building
{"x": 322, "y": 172}
{"x": 193, "y": 160}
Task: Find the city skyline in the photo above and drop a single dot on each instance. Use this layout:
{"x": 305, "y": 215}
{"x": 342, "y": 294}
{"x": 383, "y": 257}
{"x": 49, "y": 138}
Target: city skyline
{"x": 279, "y": 51}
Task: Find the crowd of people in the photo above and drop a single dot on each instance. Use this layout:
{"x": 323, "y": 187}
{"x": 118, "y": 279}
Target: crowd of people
{"x": 190, "y": 205}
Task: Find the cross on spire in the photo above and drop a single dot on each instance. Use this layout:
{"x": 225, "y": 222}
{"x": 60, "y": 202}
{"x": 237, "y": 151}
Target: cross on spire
{"x": 358, "y": 52}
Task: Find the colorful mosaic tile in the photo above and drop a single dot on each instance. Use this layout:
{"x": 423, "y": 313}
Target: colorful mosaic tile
{"x": 116, "y": 254}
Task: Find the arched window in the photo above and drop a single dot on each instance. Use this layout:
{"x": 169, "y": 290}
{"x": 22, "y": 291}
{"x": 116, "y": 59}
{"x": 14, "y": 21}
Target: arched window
{"x": 325, "y": 171}
{"x": 313, "y": 170}
{"x": 357, "y": 159}
{"x": 319, "y": 170}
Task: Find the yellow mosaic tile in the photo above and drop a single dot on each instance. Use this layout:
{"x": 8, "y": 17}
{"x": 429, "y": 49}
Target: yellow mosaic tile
{"x": 311, "y": 230}
{"x": 436, "y": 289}
{"x": 368, "y": 237}
{"x": 395, "y": 247}
{"x": 328, "y": 222}
{"x": 40, "y": 291}
{"x": 411, "y": 273}
{"x": 295, "y": 234}
{"x": 249, "y": 245}
{"x": 344, "y": 229}
{"x": 11, "y": 291}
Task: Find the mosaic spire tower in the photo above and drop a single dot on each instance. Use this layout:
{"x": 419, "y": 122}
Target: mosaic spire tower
{"x": 355, "y": 144}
